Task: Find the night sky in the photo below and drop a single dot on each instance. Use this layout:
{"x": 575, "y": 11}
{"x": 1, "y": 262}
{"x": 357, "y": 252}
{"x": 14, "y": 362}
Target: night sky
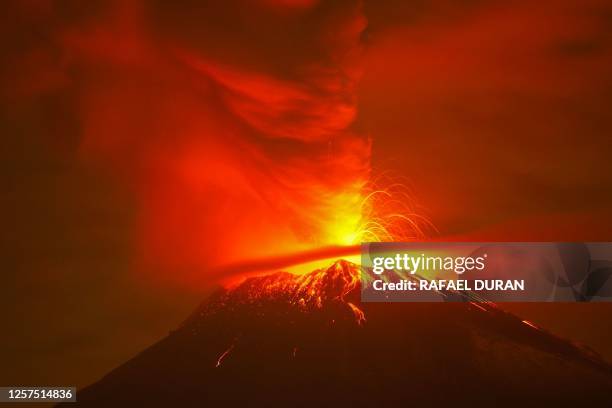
{"x": 136, "y": 154}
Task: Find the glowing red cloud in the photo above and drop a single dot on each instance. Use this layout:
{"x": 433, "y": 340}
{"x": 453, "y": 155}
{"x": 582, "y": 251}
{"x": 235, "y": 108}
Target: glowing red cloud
{"x": 228, "y": 159}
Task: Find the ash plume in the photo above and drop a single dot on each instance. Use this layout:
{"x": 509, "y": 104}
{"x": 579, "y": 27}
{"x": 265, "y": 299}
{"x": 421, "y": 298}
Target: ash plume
{"x": 231, "y": 122}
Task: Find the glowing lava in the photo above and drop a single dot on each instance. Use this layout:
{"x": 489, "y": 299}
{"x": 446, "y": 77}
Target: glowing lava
{"x": 336, "y": 287}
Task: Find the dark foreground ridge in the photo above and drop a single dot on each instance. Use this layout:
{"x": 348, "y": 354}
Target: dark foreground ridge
{"x": 306, "y": 340}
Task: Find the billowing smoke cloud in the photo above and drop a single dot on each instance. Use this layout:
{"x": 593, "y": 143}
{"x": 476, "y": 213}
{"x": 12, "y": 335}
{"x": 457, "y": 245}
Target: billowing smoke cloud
{"x": 231, "y": 122}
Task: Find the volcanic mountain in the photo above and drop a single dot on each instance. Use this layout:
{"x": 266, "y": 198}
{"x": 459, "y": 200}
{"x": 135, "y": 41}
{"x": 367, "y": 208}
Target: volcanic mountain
{"x": 306, "y": 340}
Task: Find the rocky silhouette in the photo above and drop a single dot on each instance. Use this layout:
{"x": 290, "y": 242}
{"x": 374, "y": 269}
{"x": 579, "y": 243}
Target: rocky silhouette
{"x": 306, "y": 340}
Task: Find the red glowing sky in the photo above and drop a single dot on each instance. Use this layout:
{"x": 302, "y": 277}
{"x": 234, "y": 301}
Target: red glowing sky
{"x": 157, "y": 139}
{"x": 230, "y": 151}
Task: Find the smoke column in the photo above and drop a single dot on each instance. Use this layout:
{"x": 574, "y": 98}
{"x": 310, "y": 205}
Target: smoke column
{"x": 231, "y": 123}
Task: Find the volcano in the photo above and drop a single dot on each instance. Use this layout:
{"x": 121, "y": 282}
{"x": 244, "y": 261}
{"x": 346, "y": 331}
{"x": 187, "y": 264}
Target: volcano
{"x": 307, "y": 340}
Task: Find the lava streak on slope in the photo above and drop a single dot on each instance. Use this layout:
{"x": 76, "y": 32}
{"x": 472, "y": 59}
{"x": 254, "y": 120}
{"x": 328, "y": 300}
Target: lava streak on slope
{"x": 335, "y": 287}
{"x": 287, "y": 339}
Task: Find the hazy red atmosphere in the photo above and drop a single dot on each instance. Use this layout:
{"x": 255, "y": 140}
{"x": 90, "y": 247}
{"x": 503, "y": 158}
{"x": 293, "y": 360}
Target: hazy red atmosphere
{"x": 148, "y": 144}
